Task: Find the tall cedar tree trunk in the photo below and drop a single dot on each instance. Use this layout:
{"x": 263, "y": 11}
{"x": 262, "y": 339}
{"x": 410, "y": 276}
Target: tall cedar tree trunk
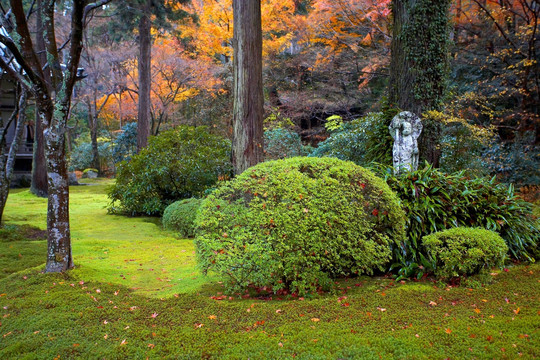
{"x": 145, "y": 81}
{"x": 39, "y": 164}
{"x": 7, "y": 160}
{"x": 248, "y": 108}
{"x": 418, "y": 66}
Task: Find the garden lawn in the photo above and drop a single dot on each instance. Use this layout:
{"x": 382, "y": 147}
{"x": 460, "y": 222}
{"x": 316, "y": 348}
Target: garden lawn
{"x": 136, "y": 293}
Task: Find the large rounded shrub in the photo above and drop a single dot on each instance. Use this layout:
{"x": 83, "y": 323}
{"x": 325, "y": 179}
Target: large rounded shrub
{"x": 464, "y": 251}
{"x": 180, "y": 216}
{"x": 178, "y": 164}
{"x": 297, "y": 223}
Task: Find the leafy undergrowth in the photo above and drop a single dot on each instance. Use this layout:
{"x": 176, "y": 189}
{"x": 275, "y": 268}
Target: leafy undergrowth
{"x": 92, "y": 312}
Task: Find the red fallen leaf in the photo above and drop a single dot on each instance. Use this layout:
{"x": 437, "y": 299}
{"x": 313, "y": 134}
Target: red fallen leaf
{"x": 472, "y": 336}
{"x": 489, "y": 338}
{"x": 448, "y": 331}
{"x": 151, "y": 346}
{"x": 363, "y": 186}
{"x": 358, "y": 284}
{"x": 506, "y": 270}
{"x": 76, "y": 345}
{"x": 516, "y": 311}
{"x": 375, "y": 212}
{"x": 100, "y": 307}
{"x": 259, "y": 323}
{"x": 345, "y": 304}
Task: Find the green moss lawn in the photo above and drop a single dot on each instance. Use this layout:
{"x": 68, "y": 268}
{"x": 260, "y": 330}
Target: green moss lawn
{"x": 136, "y": 293}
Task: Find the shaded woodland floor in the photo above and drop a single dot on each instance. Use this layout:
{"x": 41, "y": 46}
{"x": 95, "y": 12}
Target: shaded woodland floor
{"x": 136, "y": 293}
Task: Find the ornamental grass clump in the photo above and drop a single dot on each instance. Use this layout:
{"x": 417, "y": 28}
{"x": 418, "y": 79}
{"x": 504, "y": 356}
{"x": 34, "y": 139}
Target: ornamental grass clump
{"x": 298, "y": 223}
{"x": 464, "y": 251}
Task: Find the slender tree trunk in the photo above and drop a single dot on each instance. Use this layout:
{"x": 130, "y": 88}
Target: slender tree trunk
{"x": 39, "y": 164}
{"x": 145, "y": 61}
{"x": 248, "y": 108}
{"x": 7, "y": 161}
{"x": 92, "y": 124}
{"x": 59, "y": 258}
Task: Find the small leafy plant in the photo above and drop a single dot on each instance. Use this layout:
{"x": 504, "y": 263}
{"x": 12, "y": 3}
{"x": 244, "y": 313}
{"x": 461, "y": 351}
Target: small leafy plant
{"x": 464, "y": 251}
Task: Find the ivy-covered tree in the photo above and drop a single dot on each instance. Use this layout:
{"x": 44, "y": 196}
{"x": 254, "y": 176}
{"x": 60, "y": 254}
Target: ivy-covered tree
{"x": 419, "y": 63}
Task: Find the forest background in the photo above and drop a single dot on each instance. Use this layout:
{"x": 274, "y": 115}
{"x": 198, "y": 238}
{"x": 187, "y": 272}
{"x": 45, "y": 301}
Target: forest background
{"x": 325, "y": 63}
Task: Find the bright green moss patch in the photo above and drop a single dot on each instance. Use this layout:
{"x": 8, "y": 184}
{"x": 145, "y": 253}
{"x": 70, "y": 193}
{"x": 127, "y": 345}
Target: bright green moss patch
{"x": 92, "y": 312}
{"x": 134, "y": 252}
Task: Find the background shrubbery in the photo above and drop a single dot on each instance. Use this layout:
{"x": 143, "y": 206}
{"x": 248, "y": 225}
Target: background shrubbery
{"x": 178, "y": 164}
{"x": 282, "y": 143}
{"x": 297, "y": 223}
{"x": 80, "y": 157}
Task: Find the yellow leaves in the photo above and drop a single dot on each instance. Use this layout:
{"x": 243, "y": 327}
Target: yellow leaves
{"x": 448, "y": 331}
{"x": 516, "y": 311}
{"x": 477, "y": 310}
{"x": 212, "y": 317}
{"x": 315, "y": 319}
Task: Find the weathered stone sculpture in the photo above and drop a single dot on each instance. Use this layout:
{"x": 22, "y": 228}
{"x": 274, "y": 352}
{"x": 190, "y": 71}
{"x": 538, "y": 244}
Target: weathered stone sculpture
{"x": 405, "y": 129}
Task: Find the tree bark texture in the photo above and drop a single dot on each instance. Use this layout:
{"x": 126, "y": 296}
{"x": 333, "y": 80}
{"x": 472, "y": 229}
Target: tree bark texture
{"x": 7, "y": 160}
{"x": 401, "y": 85}
{"x": 248, "y": 108}
{"x": 39, "y": 164}
{"x": 145, "y": 81}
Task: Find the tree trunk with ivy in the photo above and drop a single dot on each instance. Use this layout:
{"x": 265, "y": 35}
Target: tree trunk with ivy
{"x": 419, "y": 63}
{"x": 248, "y": 108}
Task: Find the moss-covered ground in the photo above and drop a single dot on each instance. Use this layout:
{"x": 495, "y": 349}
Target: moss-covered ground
{"x": 136, "y": 293}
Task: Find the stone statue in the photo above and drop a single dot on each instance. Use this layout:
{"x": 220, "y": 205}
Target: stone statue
{"x": 405, "y": 129}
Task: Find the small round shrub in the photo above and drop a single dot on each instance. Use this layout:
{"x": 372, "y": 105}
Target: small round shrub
{"x": 177, "y": 164}
{"x": 464, "y": 251}
{"x": 180, "y": 216}
{"x": 297, "y": 223}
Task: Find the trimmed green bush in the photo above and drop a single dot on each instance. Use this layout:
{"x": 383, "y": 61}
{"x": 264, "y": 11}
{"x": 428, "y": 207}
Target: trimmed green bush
{"x": 464, "y": 251}
{"x": 178, "y": 164}
{"x": 435, "y": 201}
{"x": 298, "y": 223}
{"x": 180, "y": 216}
